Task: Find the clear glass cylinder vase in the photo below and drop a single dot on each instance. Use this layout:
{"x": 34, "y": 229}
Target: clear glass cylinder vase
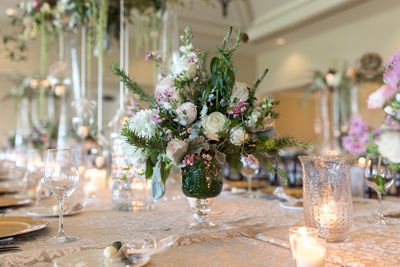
{"x": 130, "y": 190}
{"x": 327, "y": 197}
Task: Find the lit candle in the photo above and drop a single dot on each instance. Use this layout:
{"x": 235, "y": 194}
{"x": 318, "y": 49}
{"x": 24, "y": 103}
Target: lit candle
{"x": 327, "y": 217}
{"x": 90, "y": 189}
{"x": 307, "y": 249}
{"x": 310, "y": 255}
{"x": 97, "y": 177}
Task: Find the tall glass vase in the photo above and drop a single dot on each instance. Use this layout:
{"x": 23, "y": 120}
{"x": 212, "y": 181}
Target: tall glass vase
{"x": 168, "y": 42}
{"x": 202, "y": 182}
{"x": 130, "y": 190}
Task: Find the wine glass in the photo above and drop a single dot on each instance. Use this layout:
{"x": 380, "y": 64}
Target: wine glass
{"x": 249, "y": 170}
{"x": 61, "y": 178}
{"x": 380, "y": 178}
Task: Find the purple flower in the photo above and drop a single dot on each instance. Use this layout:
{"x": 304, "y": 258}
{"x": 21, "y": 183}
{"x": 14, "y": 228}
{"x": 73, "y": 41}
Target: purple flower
{"x": 357, "y": 126}
{"x": 148, "y": 55}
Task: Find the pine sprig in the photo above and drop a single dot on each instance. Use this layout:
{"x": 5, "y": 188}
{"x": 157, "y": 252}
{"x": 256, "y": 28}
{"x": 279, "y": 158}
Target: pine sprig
{"x": 273, "y": 146}
{"x": 258, "y": 81}
{"x": 147, "y": 144}
{"x": 131, "y": 85}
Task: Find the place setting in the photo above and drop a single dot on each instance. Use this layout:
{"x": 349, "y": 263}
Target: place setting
{"x": 200, "y": 133}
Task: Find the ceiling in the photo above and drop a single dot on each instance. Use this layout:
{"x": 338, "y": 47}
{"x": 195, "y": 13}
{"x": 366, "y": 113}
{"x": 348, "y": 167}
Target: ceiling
{"x": 263, "y": 20}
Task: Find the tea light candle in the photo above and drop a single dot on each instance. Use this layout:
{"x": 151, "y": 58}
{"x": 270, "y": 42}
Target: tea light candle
{"x": 97, "y": 177}
{"x": 307, "y": 249}
{"x": 90, "y": 189}
{"x": 328, "y": 216}
{"x": 310, "y": 255}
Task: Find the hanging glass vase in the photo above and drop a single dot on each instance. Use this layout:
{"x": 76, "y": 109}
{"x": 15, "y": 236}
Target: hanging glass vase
{"x": 168, "y": 42}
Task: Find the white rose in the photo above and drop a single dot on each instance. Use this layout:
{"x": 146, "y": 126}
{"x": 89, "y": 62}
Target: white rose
{"x": 240, "y": 91}
{"x": 389, "y": 146}
{"x": 212, "y": 124}
{"x": 238, "y": 135}
{"x": 187, "y": 113}
{"x": 176, "y": 149}
{"x": 186, "y": 66}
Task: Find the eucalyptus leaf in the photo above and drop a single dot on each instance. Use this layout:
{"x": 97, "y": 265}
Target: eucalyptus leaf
{"x": 157, "y": 184}
{"x": 196, "y": 145}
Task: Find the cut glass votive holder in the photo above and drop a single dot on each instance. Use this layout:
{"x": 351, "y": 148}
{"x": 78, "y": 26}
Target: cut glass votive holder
{"x": 328, "y": 204}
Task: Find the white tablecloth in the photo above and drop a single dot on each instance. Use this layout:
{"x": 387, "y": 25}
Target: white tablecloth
{"x": 233, "y": 244}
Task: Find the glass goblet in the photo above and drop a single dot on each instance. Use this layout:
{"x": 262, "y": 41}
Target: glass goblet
{"x": 377, "y": 171}
{"x": 250, "y": 169}
{"x": 61, "y": 178}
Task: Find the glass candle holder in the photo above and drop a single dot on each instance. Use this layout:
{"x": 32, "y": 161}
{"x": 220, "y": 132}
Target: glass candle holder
{"x": 328, "y": 205}
{"x": 301, "y": 233}
{"x": 309, "y": 252}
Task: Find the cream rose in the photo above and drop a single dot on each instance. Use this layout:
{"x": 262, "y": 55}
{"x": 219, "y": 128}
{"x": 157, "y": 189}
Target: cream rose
{"x": 212, "y": 124}
{"x": 238, "y": 135}
{"x": 240, "y": 91}
{"x": 187, "y": 113}
{"x": 389, "y": 146}
{"x": 176, "y": 149}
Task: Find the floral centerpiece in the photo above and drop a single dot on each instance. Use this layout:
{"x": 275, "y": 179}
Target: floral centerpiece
{"x": 199, "y": 119}
{"x": 383, "y": 143}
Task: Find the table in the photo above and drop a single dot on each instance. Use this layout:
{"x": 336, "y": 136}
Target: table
{"x": 235, "y": 243}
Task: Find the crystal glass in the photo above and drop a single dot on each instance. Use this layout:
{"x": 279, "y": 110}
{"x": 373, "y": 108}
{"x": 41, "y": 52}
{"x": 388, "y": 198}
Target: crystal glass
{"x": 249, "y": 170}
{"x": 377, "y": 167}
{"x": 61, "y": 178}
{"x": 328, "y": 204}
{"x": 200, "y": 183}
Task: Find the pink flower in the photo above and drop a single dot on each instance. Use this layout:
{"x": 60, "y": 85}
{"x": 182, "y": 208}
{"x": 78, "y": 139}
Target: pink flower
{"x": 357, "y": 145}
{"x": 148, "y": 55}
{"x": 392, "y": 72}
{"x": 378, "y": 98}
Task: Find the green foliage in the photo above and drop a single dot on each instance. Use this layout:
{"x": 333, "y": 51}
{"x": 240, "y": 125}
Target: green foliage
{"x": 146, "y": 144}
{"x": 131, "y": 85}
{"x": 273, "y": 146}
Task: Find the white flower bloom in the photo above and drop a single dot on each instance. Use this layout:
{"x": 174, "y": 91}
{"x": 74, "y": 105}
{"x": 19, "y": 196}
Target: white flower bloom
{"x": 186, "y": 66}
{"x": 389, "y": 146}
{"x": 389, "y": 110}
{"x": 133, "y": 155}
{"x": 186, "y": 49}
{"x": 252, "y": 121}
{"x": 240, "y": 91}
{"x": 176, "y": 149}
{"x": 187, "y": 113}
{"x": 45, "y": 8}
{"x": 142, "y": 124}
{"x": 212, "y": 124}
{"x": 238, "y": 135}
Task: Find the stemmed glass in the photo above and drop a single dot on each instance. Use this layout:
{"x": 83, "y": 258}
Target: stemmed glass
{"x": 61, "y": 178}
{"x": 377, "y": 172}
{"x": 249, "y": 170}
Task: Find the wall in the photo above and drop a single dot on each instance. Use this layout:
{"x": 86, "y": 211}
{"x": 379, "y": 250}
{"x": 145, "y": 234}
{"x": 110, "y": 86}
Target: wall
{"x": 369, "y": 27}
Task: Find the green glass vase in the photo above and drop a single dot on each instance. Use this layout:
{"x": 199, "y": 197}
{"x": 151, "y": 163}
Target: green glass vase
{"x": 201, "y": 183}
